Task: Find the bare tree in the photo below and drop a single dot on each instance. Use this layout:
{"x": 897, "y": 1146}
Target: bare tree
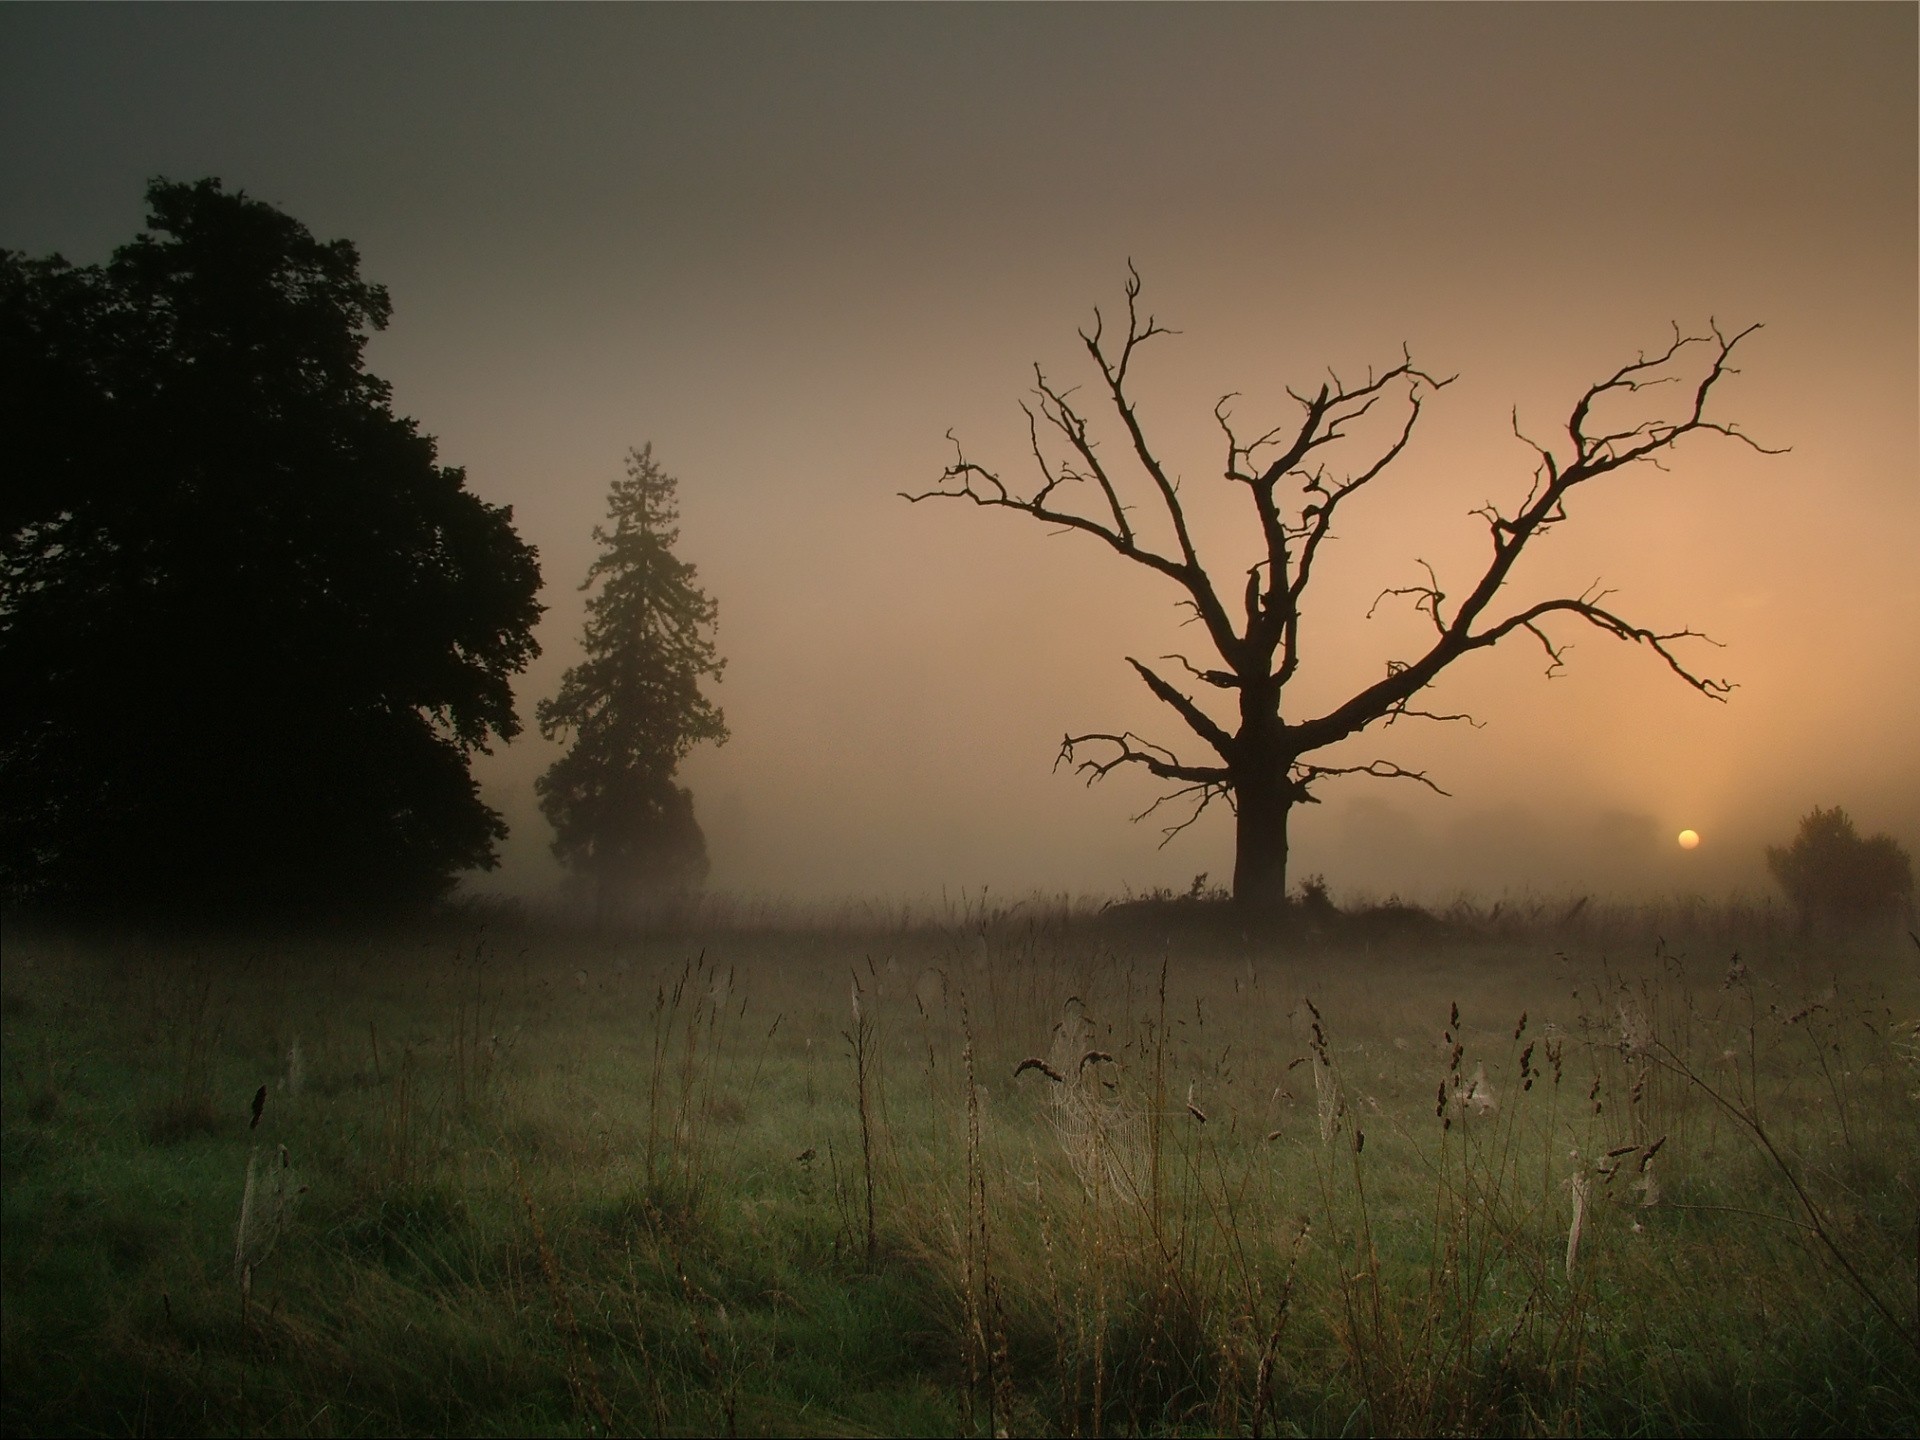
{"x": 1261, "y": 765}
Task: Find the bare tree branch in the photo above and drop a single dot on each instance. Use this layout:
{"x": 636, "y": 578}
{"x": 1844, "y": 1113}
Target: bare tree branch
{"x": 1207, "y": 793}
{"x": 1273, "y": 616}
{"x": 1197, "y": 719}
{"x": 1305, "y": 775}
{"x": 1545, "y": 507}
{"x": 1130, "y": 749}
{"x": 1593, "y": 614}
{"x": 983, "y": 487}
{"x": 1198, "y": 583}
{"x": 1298, "y": 475}
{"x": 1404, "y": 711}
{"x": 1223, "y": 679}
{"x": 1427, "y": 598}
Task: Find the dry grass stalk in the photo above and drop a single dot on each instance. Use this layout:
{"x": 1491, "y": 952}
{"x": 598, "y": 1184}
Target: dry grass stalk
{"x": 1326, "y": 1085}
{"x": 1058, "y": 1307}
{"x": 697, "y": 1301}
{"x": 987, "y": 1350}
{"x": 1270, "y": 1352}
{"x": 583, "y": 1377}
{"x": 1194, "y": 1110}
{"x": 973, "y": 1259}
{"x": 862, "y": 1041}
{"x": 1579, "y": 1185}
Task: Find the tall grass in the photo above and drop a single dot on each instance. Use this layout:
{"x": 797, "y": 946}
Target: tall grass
{"x": 1040, "y": 1171}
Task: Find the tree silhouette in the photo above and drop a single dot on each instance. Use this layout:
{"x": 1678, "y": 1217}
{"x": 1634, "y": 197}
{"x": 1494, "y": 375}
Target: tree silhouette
{"x": 251, "y": 632}
{"x": 1830, "y": 873}
{"x": 1261, "y": 762}
{"x": 634, "y": 706}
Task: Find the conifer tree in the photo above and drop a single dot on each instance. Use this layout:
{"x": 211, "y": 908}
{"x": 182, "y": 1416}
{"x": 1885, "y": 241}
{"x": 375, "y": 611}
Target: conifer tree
{"x": 634, "y": 706}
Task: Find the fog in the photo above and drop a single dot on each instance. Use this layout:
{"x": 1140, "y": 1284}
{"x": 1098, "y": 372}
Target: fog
{"x": 793, "y": 248}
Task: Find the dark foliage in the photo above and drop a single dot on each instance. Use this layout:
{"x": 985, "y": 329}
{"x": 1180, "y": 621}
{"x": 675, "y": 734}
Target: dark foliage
{"x": 1210, "y": 912}
{"x": 633, "y": 706}
{"x": 251, "y": 632}
{"x": 1831, "y": 874}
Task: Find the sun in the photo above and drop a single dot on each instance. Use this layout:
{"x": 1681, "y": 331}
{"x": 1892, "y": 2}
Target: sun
{"x": 1689, "y": 839}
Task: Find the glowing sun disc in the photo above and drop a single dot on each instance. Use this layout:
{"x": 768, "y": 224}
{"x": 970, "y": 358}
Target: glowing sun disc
{"x": 1689, "y": 839}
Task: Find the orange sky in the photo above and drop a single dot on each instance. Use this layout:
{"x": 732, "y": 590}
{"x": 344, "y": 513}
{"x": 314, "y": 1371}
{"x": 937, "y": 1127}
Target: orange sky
{"x": 793, "y": 247}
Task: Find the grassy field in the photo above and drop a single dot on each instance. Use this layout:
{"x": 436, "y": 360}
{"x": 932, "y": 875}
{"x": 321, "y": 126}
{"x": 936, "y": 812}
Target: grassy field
{"x": 1018, "y": 1172}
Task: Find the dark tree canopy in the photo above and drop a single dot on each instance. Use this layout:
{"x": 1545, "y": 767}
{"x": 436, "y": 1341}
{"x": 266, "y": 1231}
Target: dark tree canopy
{"x": 1831, "y": 874}
{"x": 634, "y": 706}
{"x": 1265, "y": 757}
{"x": 251, "y": 631}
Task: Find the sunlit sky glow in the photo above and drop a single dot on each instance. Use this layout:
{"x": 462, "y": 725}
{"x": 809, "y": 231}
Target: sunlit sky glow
{"x": 793, "y": 247}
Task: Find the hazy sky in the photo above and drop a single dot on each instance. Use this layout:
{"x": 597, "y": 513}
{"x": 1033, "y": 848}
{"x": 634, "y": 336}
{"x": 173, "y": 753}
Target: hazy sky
{"x": 793, "y": 247}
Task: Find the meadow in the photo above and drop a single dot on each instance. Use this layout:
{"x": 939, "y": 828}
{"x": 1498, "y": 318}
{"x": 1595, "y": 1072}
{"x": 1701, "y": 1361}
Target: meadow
{"x": 1005, "y": 1170}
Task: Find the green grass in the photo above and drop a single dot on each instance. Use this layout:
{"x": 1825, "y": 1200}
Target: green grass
{"x": 542, "y": 1182}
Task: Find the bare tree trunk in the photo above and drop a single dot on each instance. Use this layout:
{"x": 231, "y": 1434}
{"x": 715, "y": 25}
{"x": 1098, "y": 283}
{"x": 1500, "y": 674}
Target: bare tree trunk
{"x": 1260, "y": 843}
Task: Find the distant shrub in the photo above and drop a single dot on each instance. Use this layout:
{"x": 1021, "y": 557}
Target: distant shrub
{"x": 1314, "y": 901}
{"x": 1830, "y": 873}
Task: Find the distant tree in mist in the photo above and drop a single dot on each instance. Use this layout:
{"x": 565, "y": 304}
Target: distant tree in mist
{"x": 1259, "y": 761}
{"x": 251, "y": 631}
{"x": 1831, "y": 874}
{"x": 634, "y": 706}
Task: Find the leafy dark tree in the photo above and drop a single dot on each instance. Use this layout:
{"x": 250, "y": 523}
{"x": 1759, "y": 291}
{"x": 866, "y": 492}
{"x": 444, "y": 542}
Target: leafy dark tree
{"x": 1261, "y": 762}
{"x": 1831, "y": 874}
{"x": 634, "y": 706}
{"x": 251, "y": 631}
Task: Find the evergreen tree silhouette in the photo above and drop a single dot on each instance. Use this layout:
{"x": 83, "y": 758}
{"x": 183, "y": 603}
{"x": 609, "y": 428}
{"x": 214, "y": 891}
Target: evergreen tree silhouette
{"x": 633, "y": 706}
